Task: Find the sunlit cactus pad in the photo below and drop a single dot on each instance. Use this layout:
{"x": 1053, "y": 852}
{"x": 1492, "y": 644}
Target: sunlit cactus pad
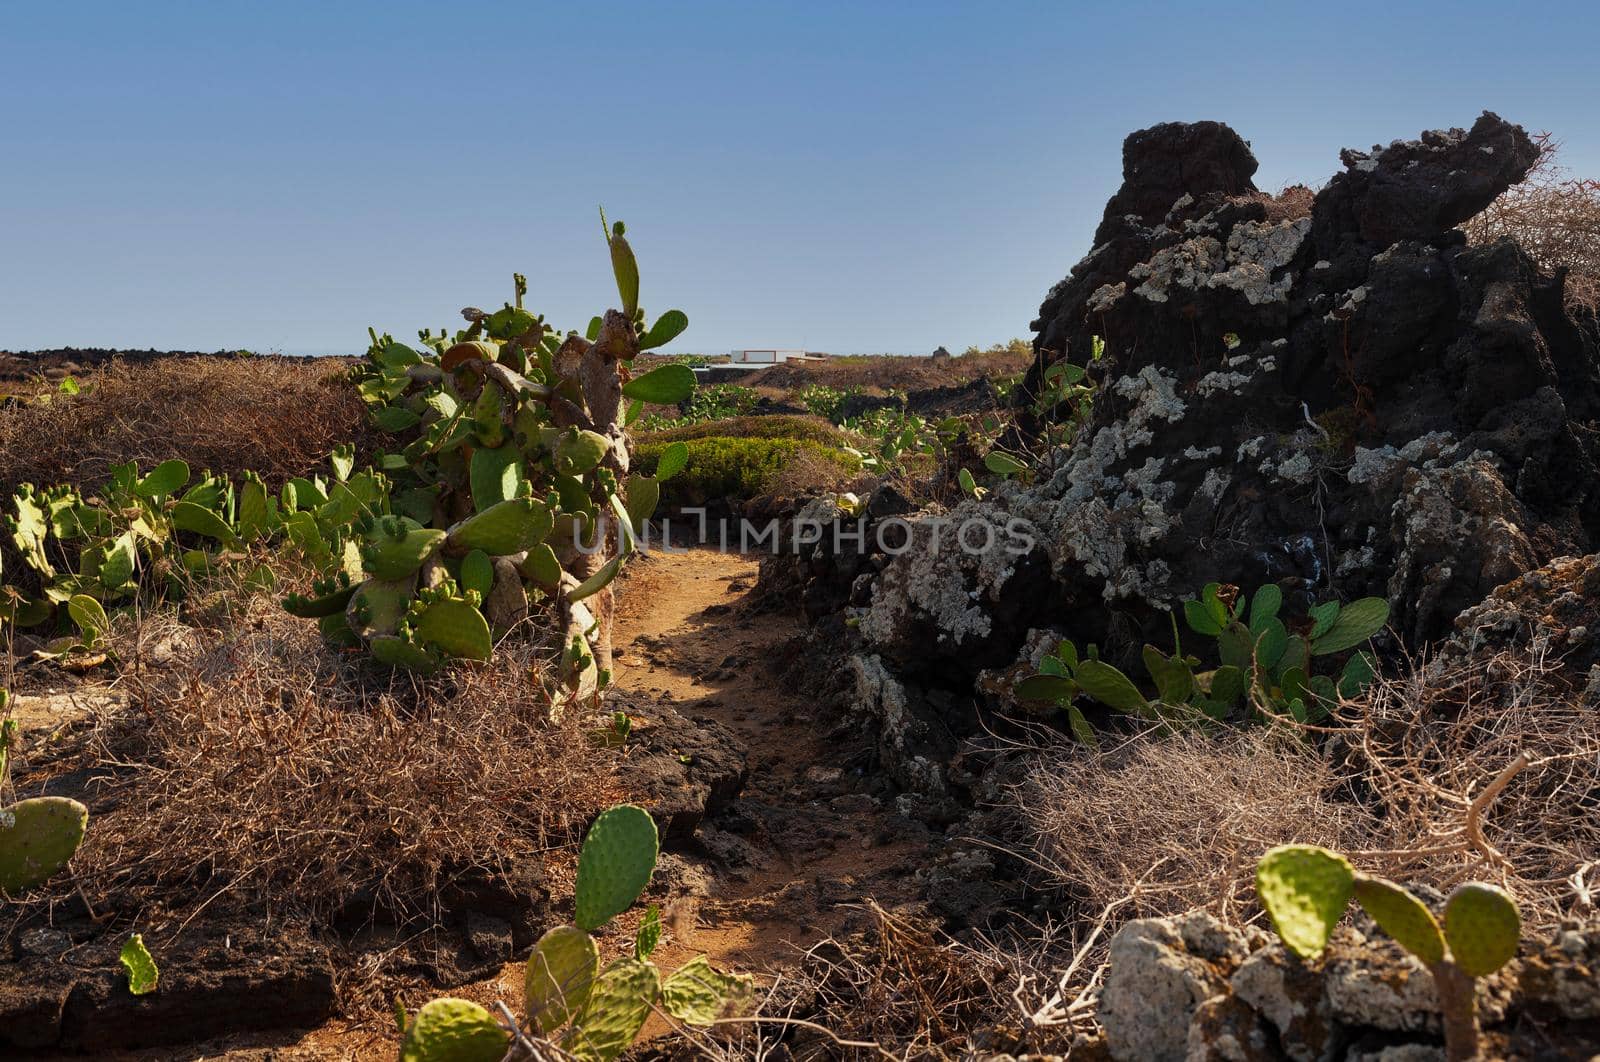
{"x": 1305, "y": 890}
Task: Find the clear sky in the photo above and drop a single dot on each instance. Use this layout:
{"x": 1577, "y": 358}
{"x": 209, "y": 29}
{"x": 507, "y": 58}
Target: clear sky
{"x": 855, "y": 177}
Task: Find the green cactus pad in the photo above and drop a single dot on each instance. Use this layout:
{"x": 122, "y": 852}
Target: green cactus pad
{"x": 187, "y": 516}
{"x": 1110, "y": 687}
{"x": 117, "y": 561}
{"x": 580, "y": 452}
{"x": 542, "y": 566}
{"x": 318, "y": 607}
{"x": 665, "y": 386}
{"x": 143, "y": 974}
{"x": 166, "y": 478}
{"x": 336, "y": 629}
{"x": 454, "y": 1030}
{"x": 1353, "y": 624}
{"x": 618, "y": 1006}
{"x": 378, "y": 605}
{"x": 37, "y": 838}
{"x": 477, "y": 572}
{"x": 1402, "y": 916}
{"x": 455, "y": 628}
{"x": 560, "y": 973}
{"x": 89, "y": 616}
{"x": 644, "y": 494}
{"x": 668, "y": 326}
{"x": 1483, "y": 927}
{"x": 386, "y": 557}
{"x": 697, "y": 994}
{"x": 402, "y": 653}
{"x": 495, "y": 475}
{"x": 503, "y": 529}
{"x": 618, "y": 857}
{"x": 1305, "y": 890}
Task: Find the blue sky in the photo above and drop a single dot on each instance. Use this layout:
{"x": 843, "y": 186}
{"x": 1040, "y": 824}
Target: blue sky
{"x": 856, "y": 177}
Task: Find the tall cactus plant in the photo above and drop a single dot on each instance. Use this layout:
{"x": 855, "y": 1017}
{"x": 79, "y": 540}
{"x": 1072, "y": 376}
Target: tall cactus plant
{"x": 508, "y": 480}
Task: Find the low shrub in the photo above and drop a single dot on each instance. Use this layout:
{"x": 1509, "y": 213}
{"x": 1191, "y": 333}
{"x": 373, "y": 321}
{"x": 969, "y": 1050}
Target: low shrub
{"x": 739, "y": 469}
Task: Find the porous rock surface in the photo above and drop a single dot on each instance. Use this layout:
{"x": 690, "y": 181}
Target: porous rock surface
{"x": 1188, "y": 989}
{"x": 1332, "y": 392}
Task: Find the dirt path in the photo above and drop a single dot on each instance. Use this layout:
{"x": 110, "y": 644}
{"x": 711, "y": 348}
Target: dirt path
{"x": 790, "y": 861}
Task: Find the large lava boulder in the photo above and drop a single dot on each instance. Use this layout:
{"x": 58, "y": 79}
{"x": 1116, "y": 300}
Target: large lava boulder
{"x": 1333, "y": 392}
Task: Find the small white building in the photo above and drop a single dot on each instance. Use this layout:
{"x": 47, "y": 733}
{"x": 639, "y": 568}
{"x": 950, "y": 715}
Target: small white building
{"x": 763, "y": 357}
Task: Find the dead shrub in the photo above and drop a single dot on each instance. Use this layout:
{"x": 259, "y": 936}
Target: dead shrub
{"x": 1556, "y": 219}
{"x": 894, "y": 991}
{"x": 276, "y": 416}
{"x": 1178, "y": 821}
{"x": 272, "y": 771}
{"x": 1487, "y": 770}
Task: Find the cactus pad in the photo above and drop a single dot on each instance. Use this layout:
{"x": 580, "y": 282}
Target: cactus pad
{"x": 37, "y": 838}
{"x": 698, "y": 994}
{"x": 378, "y": 606}
{"x": 503, "y": 529}
{"x": 580, "y": 451}
{"x": 477, "y": 573}
{"x": 456, "y": 628}
{"x": 396, "y": 557}
{"x": 618, "y": 857}
{"x": 561, "y": 971}
{"x": 494, "y": 473}
{"x": 317, "y": 607}
{"x": 1403, "y": 917}
{"x": 402, "y": 653}
{"x": 1305, "y": 890}
{"x": 143, "y": 974}
{"x": 454, "y": 1030}
{"x": 1483, "y": 927}
{"x": 618, "y": 1006}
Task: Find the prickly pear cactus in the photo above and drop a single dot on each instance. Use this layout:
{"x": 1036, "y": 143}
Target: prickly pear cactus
{"x": 454, "y": 1030}
{"x": 698, "y": 994}
{"x": 37, "y": 838}
{"x": 618, "y": 857}
{"x": 1305, "y": 890}
{"x": 619, "y": 1003}
{"x": 1403, "y": 917}
{"x": 505, "y": 434}
{"x": 560, "y": 973}
{"x": 1482, "y": 926}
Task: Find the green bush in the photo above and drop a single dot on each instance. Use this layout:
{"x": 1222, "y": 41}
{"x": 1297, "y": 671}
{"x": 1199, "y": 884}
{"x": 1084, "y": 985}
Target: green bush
{"x": 714, "y": 402}
{"x": 774, "y": 427}
{"x": 721, "y": 467}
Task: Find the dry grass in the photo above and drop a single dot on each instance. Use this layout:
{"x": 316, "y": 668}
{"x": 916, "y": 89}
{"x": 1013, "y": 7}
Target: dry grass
{"x": 276, "y": 416}
{"x": 1183, "y": 817}
{"x": 895, "y": 992}
{"x": 1417, "y": 780}
{"x": 273, "y": 772}
{"x": 1556, "y": 219}
{"x": 1429, "y": 749}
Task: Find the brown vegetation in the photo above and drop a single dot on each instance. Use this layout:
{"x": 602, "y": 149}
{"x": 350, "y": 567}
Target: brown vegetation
{"x": 263, "y": 767}
{"x": 1418, "y": 779}
{"x": 1556, "y": 219}
{"x": 279, "y": 417}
